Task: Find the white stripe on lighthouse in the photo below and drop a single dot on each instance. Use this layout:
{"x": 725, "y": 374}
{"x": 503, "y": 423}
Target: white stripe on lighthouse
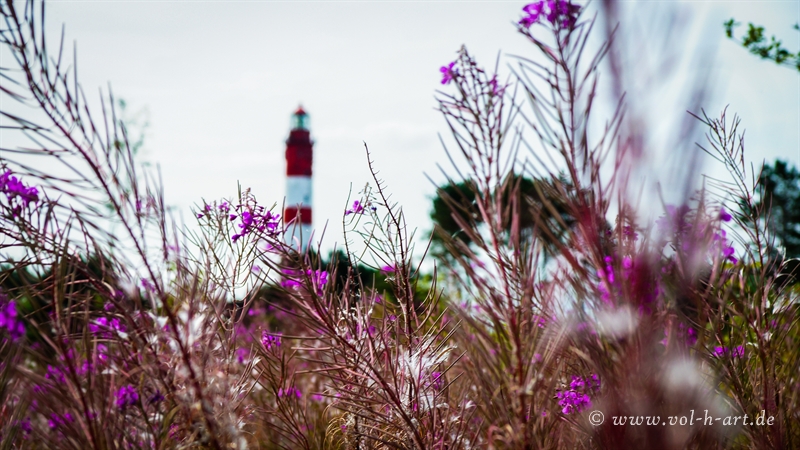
{"x": 298, "y": 191}
{"x": 299, "y": 233}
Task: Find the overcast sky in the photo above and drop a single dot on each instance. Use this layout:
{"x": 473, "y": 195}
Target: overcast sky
{"x": 219, "y": 81}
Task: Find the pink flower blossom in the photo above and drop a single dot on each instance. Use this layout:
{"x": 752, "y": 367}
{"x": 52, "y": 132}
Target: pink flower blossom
{"x": 358, "y": 208}
{"x": 127, "y": 396}
{"x": 448, "y": 73}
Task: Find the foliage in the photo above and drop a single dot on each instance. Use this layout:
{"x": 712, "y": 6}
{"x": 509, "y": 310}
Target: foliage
{"x": 538, "y": 203}
{"x": 779, "y": 191}
{"x": 756, "y": 42}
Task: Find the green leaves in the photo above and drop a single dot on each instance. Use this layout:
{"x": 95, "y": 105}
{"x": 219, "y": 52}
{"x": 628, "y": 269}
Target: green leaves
{"x": 779, "y": 191}
{"x": 756, "y": 42}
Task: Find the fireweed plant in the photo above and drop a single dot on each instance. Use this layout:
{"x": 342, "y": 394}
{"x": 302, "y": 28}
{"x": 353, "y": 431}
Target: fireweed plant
{"x": 118, "y": 331}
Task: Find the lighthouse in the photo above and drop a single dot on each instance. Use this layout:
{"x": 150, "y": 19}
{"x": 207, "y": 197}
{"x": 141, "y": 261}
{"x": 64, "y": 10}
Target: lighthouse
{"x": 299, "y": 156}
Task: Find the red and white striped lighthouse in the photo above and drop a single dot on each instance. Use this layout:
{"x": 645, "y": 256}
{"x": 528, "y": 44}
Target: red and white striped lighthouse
{"x": 299, "y": 157}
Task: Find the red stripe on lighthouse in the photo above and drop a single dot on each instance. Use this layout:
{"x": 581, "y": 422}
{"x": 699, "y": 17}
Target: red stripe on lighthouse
{"x": 291, "y": 212}
{"x": 299, "y": 153}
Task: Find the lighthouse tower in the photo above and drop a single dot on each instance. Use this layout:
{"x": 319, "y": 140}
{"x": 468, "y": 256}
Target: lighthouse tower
{"x": 299, "y": 156}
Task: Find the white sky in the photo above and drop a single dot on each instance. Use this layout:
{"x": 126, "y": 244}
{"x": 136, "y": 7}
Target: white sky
{"x": 220, "y": 80}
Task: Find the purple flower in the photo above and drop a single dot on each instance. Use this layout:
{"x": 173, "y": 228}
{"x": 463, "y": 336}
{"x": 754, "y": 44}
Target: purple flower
{"x": 156, "y": 398}
{"x": 19, "y": 195}
{"x": 562, "y": 12}
{"x": 437, "y": 382}
{"x": 102, "y": 352}
{"x": 728, "y": 252}
{"x": 241, "y": 354}
{"x": 448, "y": 72}
{"x": 534, "y": 12}
{"x": 627, "y": 263}
{"x": 319, "y": 278}
{"x": 577, "y": 383}
{"x": 572, "y": 401}
{"x": 552, "y": 13}
{"x": 100, "y": 322}
{"x": 103, "y": 328}
{"x": 25, "y": 426}
{"x": 606, "y": 278}
{"x": 289, "y": 391}
{"x": 9, "y": 318}
{"x": 270, "y": 340}
{"x": 736, "y": 352}
{"x": 357, "y": 208}
{"x": 289, "y": 283}
{"x": 724, "y": 216}
{"x": 85, "y": 368}
{"x": 147, "y": 285}
{"x": 630, "y": 233}
{"x": 127, "y": 396}
{"x": 493, "y": 84}
{"x": 558, "y": 12}
{"x": 691, "y": 336}
{"x": 576, "y": 399}
{"x": 534, "y": 8}
{"x": 720, "y": 242}
{"x": 57, "y": 420}
{"x": 527, "y": 21}
{"x": 255, "y": 218}
{"x": 55, "y": 374}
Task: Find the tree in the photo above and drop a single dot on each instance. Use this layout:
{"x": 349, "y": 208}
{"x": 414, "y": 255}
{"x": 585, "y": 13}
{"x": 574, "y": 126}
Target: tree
{"x": 757, "y": 43}
{"x": 780, "y": 202}
{"x": 779, "y": 184}
{"x": 528, "y": 204}
{"x": 454, "y": 203}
